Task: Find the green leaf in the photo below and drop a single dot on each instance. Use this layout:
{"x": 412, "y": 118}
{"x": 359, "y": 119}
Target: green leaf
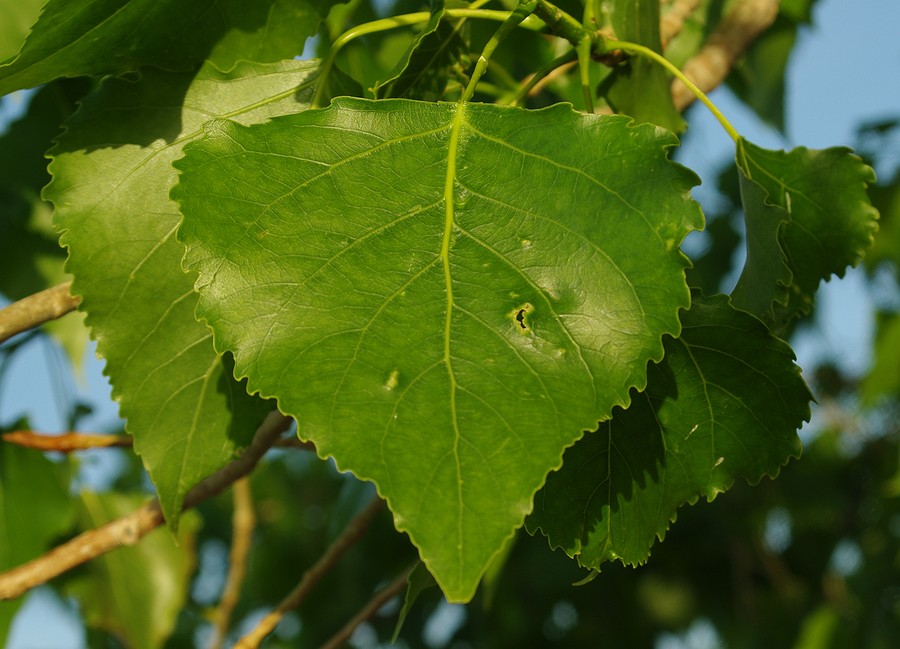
{"x": 640, "y": 88}
{"x": 420, "y": 580}
{"x": 136, "y": 591}
{"x": 111, "y": 179}
{"x": 15, "y": 20}
{"x": 690, "y": 433}
{"x": 443, "y": 296}
{"x": 99, "y": 37}
{"x": 425, "y": 70}
{"x": 35, "y": 509}
{"x": 808, "y": 218}
{"x": 884, "y": 376}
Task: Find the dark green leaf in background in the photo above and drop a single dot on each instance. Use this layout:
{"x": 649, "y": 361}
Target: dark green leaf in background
{"x": 135, "y": 592}
{"x": 35, "y": 510}
{"x": 111, "y": 180}
{"x": 443, "y": 296}
{"x": 697, "y": 427}
{"x": 639, "y": 87}
{"x": 814, "y": 207}
{"x": 97, "y": 37}
{"x": 425, "y": 70}
{"x": 31, "y": 258}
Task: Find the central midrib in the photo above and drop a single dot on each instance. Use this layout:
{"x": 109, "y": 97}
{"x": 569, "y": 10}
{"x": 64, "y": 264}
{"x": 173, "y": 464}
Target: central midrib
{"x": 449, "y": 206}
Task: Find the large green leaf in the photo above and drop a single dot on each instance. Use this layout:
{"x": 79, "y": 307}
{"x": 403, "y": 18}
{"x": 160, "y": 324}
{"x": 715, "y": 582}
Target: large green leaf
{"x": 135, "y": 592}
{"x": 111, "y": 179}
{"x": 442, "y": 295}
{"x": 696, "y": 427}
{"x": 808, "y": 218}
{"x": 35, "y": 509}
{"x": 96, "y": 37}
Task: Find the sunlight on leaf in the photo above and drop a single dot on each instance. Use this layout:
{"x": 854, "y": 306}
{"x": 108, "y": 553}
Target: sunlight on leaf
{"x": 442, "y": 296}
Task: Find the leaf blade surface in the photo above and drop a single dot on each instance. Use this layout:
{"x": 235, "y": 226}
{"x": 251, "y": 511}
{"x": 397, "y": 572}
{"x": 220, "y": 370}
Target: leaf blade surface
{"x": 441, "y": 295}
{"x": 690, "y": 433}
{"x": 111, "y": 178}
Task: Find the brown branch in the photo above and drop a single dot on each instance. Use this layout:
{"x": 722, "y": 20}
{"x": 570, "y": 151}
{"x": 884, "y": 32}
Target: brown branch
{"x": 243, "y": 523}
{"x": 69, "y": 442}
{"x": 348, "y": 538}
{"x": 741, "y": 26}
{"x": 66, "y": 442}
{"x": 34, "y": 310}
{"x": 130, "y": 528}
{"x": 371, "y": 608}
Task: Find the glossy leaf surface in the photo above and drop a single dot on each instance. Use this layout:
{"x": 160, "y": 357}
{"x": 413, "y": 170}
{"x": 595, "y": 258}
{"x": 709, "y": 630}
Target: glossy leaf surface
{"x": 689, "y": 434}
{"x": 442, "y": 296}
{"x": 111, "y": 179}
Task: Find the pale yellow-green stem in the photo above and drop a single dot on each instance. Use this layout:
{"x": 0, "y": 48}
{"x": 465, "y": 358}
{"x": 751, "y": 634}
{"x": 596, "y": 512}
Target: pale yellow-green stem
{"x": 610, "y": 45}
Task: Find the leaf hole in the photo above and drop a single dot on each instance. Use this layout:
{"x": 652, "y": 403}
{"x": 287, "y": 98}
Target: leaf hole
{"x": 520, "y": 315}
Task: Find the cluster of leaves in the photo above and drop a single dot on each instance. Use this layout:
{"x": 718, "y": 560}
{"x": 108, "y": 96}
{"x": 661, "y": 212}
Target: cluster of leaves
{"x": 477, "y": 306}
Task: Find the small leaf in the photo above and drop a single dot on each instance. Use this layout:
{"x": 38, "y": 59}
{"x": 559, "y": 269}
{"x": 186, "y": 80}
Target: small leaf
{"x": 420, "y": 580}
{"x": 186, "y": 413}
{"x": 425, "y": 70}
{"x": 137, "y": 591}
{"x": 690, "y": 433}
{"x": 114, "y": 36}
{"x": 812, "y": 205}
{"x": 443, "y": 296}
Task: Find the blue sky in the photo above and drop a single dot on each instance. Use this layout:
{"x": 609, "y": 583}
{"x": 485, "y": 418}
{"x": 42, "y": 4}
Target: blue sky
{"x": 843, "y": 72}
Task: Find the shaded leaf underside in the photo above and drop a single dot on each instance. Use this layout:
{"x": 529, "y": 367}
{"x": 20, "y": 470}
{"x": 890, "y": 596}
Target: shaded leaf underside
{"x": 443, "y": 296}
{"x": 690, "y": 433}
{"x": 97, "y": 37}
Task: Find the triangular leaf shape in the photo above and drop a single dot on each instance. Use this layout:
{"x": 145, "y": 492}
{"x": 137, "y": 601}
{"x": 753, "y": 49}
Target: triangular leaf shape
{"x": 114, "y": 36}
{"x": 690, "y": 433}
{"x": 441, "y": 294}
{"x": 111, "y": 178}
{"x": 815, "y": 209}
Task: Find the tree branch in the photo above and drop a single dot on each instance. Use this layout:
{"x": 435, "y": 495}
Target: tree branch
{"x": 70, "y": 442}
{"x": 34, "y": 310}
{"x": 741, "y": 26}
{"x": 348, "y": 538}
{"x": 243, "y": 524}
{"x": 129, "y": 529}
{"x": 367, "y": 611}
